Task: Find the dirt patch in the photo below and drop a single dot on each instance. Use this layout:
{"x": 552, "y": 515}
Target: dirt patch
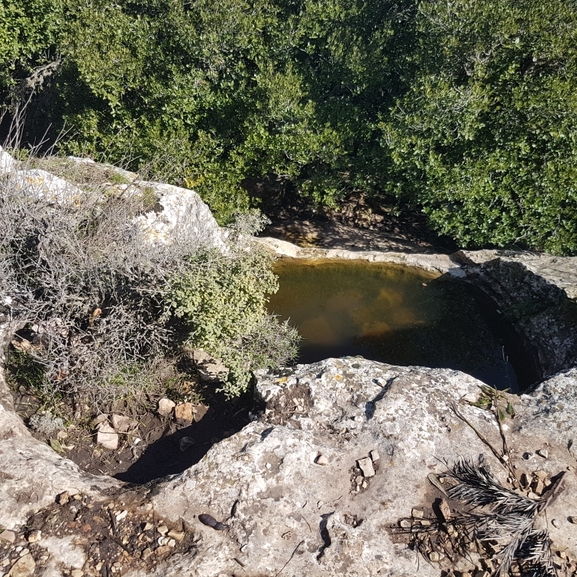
{"x": 101, "y": 538}
{"x": 357, "y": 225}
{"x": 156, "y": 446}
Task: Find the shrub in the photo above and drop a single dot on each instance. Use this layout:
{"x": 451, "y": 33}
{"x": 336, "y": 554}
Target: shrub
{"x": 100, "y": 307}
{"x": 222, "y": 300}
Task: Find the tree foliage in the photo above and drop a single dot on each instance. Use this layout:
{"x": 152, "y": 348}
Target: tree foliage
{"x": 463, "y": 109}
{"x": 485, "y": 138}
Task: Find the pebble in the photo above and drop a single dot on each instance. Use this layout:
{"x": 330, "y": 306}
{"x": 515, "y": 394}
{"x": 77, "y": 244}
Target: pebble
{"x": 417, "y": 513}
{"x": 374, "y": 455}
{"x": 63, "y": 498}
{"x": 107, "y": 437}
{"x": 366, "y": 466}
{"x": 24, "y": 567}
{"x": 184, "y": 413}
{"x": 8, "y": 536}
{"x": 572, "y": 519}
{"x": 34, "y": 536}
{"x": 147, "y": 526}
{"x": 146, "y": 553}
{"x": 405, "y": 523}
{"x": 178, "y": 535}
{"x": 165, "y": 407}
{"x": 543, "y": 453}
{"x": 321, "y": 460}
{"x": 99, "y": 419}
{"x": 435, "y": 556}
{"x": 121, "y": 515}
{"x": 76, "y": 573}
{"x": 162, "y": 529}
{"x": 123, "y": 424}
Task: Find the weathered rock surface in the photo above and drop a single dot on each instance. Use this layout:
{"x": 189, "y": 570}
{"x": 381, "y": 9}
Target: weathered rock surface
{"x": 180, "y": 217}
{"x": 266, "y": 484}
{"x": 342, "y": 452}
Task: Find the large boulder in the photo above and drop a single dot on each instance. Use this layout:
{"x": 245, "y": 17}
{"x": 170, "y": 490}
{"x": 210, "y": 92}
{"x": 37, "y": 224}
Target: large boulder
{"x": 297, "y": 487}
{"x": 313, "y": 486}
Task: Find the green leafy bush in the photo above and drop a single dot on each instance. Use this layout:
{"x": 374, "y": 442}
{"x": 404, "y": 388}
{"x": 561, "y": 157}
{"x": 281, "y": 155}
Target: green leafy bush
{"x": 222, "y": 301}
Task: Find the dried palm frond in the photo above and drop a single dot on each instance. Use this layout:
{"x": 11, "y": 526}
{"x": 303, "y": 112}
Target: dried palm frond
{"x": 499, "y": 524}
{"x": 477, "y": 487}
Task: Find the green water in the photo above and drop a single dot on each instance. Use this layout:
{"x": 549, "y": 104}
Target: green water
{"x": 394, "y": 314}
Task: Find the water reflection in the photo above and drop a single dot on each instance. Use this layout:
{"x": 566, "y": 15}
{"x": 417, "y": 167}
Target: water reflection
{"x": 390, "y": 313}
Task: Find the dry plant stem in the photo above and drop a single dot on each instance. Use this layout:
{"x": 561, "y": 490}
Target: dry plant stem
{"x": 502, "y": 457}
{"x": 290, "y": 558}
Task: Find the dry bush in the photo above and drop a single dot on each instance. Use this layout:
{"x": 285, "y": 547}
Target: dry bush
{"x": 95, "y": 299}
{"x": 87, "y": 287}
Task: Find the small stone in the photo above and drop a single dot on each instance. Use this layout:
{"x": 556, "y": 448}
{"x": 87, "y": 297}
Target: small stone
{"x": 417, "y": 513}
{"x": 359, "y": 479}
{"x": 76, "y": 573}
{"x": 171, "y": 543}
{"x": 34, "y": 536}
{"x": 99, "y": 419}
{"x": 321, "y": 460}
{"x": 540, "y": 474}
{"x": 8, "y": 536}
{"x": 184, "y": 413}
{"x": 146, "y": 553}
{"x": 107, "y": 437}
{"x": 123, "y": 424}
{"x": 366, "y": 466}
{"x": 445, "y": 510}
{"x": 543, "y": 453}
{"x": 162, "y": 529}
{"x": 434, "y": 556}
{"x": 163, "y": 550}
{"x": 165, "y": 407}
{"x": 572, "y": 519}
{"x": 538, "y": 487}
{"x": 63, "y": 498}
{"x": 405, "y": 523}
{"x": 177, "y": 535}
{"x": 24, "y": 567}
{"x": 147, "y": 526}
{"x": 121, "y": 515}
{"x": 374, "y": 454}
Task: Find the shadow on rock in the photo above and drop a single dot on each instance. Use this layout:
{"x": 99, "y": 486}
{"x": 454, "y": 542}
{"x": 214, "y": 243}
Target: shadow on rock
{"x": 176, "y": 452}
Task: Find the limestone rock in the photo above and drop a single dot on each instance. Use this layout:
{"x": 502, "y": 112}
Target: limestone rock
{"x": 24, "y": 567}
{"x": 7, "y": 163}
{"x": 184, "y": 219}
{"x": 122, "y": 424}
{"x": 107, "y": 436}
{"x": 184, "y": 413}
{"x": 165, "y": 407}
{"x": 41, "y": 184}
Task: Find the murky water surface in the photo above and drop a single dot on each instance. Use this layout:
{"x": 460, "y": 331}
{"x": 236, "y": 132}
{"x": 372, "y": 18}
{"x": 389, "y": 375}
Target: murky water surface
{"x": 394, "y": 314}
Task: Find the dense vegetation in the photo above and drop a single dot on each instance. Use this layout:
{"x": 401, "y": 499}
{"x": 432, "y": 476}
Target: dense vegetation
{"x": 466, "y": 109}
{"x": 106, "y": 317}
